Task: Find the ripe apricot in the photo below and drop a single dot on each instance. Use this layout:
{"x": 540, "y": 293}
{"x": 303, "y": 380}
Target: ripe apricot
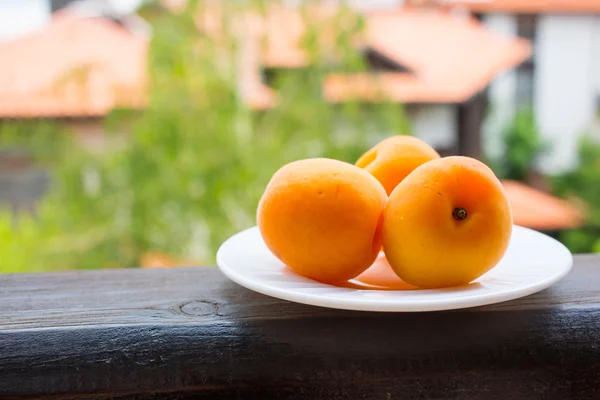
{"x": 322, "y": 218}
{"x": 447, "y": 223}
{"x": 392, "y": 159}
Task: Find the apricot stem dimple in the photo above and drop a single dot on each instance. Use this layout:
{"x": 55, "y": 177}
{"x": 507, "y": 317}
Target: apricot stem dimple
{"x": 459, "y": 213}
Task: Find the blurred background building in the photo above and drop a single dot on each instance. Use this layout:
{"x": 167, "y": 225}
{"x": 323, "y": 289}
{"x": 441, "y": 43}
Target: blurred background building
{"x": 460, "y": 71}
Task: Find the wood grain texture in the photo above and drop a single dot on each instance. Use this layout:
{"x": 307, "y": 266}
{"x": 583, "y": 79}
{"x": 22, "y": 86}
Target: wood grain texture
{"x": 189, "y": 333}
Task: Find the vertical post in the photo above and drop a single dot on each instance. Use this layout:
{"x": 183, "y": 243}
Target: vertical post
{"x": 470, "y": 120}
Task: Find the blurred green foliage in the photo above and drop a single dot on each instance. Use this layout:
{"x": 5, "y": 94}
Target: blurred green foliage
{"x": 197, "y": 159}
{"x": 522, "y": 146}
{"x": 582, "y": 183}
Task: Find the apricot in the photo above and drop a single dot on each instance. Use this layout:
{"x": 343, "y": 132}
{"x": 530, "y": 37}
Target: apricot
{"x": 392, "y": 159}
{"x": 447, "y": 223}
{"x": 322, "y": 218}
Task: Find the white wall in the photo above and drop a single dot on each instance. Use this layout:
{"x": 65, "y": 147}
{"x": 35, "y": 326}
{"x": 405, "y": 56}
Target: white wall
{"x": 19, "y": 17}
{"x": 434, "y": 123}
{"x": 114, "y": 8}
{"x": 564, "y": 92}
{"x": 368, "y": 5}
{"x": 595, "y": 70}
{"x": 502, "y": 90}
{"x": 357, "y": 4}
{"x": 596, "y": 54}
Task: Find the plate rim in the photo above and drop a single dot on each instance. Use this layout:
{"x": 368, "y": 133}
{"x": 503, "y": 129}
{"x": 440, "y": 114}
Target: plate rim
{"x": 376, "y": 305}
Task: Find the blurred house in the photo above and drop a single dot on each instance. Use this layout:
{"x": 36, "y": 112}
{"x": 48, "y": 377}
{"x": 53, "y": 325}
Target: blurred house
{"x": 561, "y": 78}
{"x": 90, "y": 66}
{"x": 94, "y": 56}
{"x": 93, "y": 63}
{"x": 437, "y": 64}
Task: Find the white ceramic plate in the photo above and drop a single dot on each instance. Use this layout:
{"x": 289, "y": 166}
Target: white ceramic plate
{"x": 532, "y": 262}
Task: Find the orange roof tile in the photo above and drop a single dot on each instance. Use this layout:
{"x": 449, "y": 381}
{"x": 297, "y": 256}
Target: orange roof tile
{"x": 78, "y": 67}
{"x": 449, "y": 58}
{"x": 278, "y": 28}
{"x": 391, "y": 86}
{"x": 535, "y": 209}
{"x": 72, "y": 67}
{"x": 519, "y": 6}
{"x": 284, "y": 29}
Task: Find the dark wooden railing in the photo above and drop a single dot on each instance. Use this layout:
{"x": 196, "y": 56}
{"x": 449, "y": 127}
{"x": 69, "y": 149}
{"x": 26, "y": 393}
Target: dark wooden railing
{"x": 189, "y": 333}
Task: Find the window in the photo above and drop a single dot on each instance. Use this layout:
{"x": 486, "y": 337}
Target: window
{"x": 526, "y": 25}
{"x": 525, "y": 85}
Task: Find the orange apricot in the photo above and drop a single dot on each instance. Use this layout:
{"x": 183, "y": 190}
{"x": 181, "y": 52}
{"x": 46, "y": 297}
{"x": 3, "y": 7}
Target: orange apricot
{"x": 447, "y": 223}
{"x": 322, "y": 218}
{"x": 392, "y": 159}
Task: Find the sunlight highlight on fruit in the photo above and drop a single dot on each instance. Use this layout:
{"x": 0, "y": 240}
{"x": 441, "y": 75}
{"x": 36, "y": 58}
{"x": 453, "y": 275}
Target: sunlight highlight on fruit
{"x": 447, "y": 223}
{"x": 322, "y": 218}
{"x": 392, "y": 159}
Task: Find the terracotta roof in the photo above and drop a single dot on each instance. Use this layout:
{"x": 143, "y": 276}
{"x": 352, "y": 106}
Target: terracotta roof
{"x": 78, "y": 67}
{"x": 284, "y": 29}
{"x": 278, "y": 28}
{"x": 72, "y": 67}
{"x": 519, "y": 6}
{"x": 449, "y": 58}
{"x": 535, "y": 209}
